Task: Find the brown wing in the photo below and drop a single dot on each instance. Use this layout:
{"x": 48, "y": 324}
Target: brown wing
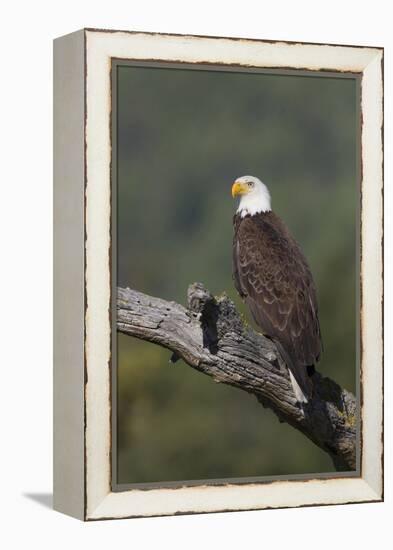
{"x": 272, "y": 275}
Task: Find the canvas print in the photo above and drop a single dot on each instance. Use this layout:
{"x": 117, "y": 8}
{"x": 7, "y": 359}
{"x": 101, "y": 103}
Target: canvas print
{"x": 235, "y": 347}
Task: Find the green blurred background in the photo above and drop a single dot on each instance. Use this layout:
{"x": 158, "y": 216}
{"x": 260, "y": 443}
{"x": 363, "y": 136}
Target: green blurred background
{"x": 183, "y": 136}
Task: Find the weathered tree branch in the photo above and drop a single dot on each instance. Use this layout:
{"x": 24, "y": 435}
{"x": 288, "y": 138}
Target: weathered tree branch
{"x": 211, "y": 337}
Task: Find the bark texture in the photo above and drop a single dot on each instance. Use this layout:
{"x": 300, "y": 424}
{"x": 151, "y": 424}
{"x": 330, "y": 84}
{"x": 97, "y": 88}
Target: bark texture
{"x": 211, "y": 336}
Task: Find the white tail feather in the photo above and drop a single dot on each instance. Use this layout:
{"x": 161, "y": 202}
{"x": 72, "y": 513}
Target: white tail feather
{"x": 301, "y": 398}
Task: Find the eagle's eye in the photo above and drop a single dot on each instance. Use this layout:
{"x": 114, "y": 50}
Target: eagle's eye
{"x": 250, "y": 184}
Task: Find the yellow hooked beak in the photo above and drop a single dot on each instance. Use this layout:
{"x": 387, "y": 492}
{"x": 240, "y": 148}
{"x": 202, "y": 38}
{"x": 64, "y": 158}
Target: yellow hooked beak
{"x": 239, "y": 189}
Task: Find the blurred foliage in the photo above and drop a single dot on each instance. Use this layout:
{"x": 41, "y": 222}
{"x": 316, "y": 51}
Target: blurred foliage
{"x": 183, "y": 137}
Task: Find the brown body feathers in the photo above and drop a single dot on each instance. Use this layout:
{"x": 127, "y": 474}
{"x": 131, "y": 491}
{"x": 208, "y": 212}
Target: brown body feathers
{"x": 272, "y": 276}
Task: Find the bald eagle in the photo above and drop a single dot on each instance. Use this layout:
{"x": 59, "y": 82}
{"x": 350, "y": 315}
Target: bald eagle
{"x": 272, "y": 276}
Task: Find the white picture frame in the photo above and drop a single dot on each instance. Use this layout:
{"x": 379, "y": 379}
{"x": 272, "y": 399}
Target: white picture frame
{"x": 82, "y": 335}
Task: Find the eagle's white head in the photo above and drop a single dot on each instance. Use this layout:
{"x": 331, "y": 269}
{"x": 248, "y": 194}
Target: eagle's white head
{"x": 254, "y": 196}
